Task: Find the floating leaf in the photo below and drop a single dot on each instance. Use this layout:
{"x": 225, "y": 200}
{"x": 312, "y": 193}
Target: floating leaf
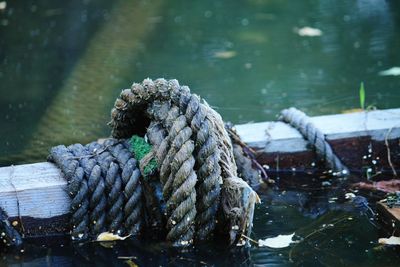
{"x": 362, "y": 96}
{"x": 394, "y": 71}
{"x": 393, "y": 240}
{"x": 107, "y": 236}
{"x": 280, "y": 241}
{"x": 224, "y": 54}
{"x": 308, "y": 31}
{"x": 131, "y": 263}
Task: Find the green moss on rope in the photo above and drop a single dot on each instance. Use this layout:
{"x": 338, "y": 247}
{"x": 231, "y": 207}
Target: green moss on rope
{"x": 140, "y": 148}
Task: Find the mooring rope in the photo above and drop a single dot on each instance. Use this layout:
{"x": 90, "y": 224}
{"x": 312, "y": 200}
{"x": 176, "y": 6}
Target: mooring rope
{"x": 96, "y": 181}
{"x": 188, "y": 148}
{"x": 77, "y": 188}
{"x": 195, "y": 156}
{"x": 304, "y": 125}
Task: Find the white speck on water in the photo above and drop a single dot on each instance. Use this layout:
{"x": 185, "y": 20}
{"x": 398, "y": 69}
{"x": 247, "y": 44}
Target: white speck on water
{"x": 394, "y": 71}
{"x": 3, "y": 5}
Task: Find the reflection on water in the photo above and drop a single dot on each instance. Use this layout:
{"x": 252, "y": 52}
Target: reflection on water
{"x": 244, "y": 57}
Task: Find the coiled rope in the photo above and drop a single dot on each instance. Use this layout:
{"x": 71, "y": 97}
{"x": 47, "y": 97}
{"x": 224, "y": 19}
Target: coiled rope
{"x": 97, "y": 175}
{"x": 195, "y": 155}
{"x": 303, "y": 124}
{"x": 114, "y": 185}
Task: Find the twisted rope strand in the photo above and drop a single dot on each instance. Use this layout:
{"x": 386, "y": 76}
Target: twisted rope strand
{"x": 302, "y": 122}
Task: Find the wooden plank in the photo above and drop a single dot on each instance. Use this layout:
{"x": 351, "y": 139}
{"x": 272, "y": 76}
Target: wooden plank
{"x": 39, "y": 188}
{"x": 280, "y": 137}
{"x": 351, "y": 136}
{"x": 389, "y": 217}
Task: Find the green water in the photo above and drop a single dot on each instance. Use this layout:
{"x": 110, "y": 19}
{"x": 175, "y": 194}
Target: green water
{"x": 244, "y": 57}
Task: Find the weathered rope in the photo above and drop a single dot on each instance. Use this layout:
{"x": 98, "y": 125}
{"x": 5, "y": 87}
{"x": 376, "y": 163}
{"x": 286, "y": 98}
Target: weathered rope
{"x": 132, "y": 190}
{"x": 174, "y": 182}
{"x": 103, "y": 179}
{"x": 195, "y": 157}
{"x": 77, "y": 189}
{"x": 303, "y": 124}
{"x": 176, "y": 153}
{"x": 96, "y": 186}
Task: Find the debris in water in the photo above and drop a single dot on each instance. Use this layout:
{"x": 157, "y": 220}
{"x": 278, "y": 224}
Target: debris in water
{"x": 280, "y": 241}
{"x": 3, "y": 5}
{"x": 131, "y": 263}
{"x": 353, "y": 110}
{"x": 394, "y": 71}
{"x": 393, "y": 240}
{"x": 224, "y": 54}
{"x": 349, "y": 196}
{"x": 390, "y": 186}
{"x": 308, "y": 31}
{"x": 107, "y": 236}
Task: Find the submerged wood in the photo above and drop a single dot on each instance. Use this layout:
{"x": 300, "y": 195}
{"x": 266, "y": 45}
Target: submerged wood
{"x": 35, "y": 194}
{"x": 81, "y": 106}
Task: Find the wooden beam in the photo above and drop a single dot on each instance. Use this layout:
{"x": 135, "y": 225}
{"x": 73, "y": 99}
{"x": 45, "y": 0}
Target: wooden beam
{"x": 39, "y": 189}
{"x": 389, "y": 217}
{"x": 350, "y": 135}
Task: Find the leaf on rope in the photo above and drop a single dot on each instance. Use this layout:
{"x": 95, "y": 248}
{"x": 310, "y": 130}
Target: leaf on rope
{"x": 107, "y": 236}
{"x": 393, "y": 240}
{"x": 280, "y": 241}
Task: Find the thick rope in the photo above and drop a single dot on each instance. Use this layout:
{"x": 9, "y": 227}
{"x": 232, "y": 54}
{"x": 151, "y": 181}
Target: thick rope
{"x": 302, "y": 122}
{"x": 177, "y": 176}
{"x": 183, "y": 117}
{"x": 96, "y": 185}
{"x": 193, "y": 154}
{"x": 113, "y": 187}
{"x": 212, "y": 145}
{"x": 132, "y": 190}
{"x": 103, "y": 179}
{"x": 77, "y": 189}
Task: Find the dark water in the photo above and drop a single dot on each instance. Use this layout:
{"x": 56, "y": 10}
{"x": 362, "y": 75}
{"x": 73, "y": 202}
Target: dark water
{"x": 330, "y": 233}
{"x": 244, "y": 57}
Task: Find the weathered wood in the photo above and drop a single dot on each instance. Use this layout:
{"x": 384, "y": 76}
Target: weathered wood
{"x": 39, "y": 188}
{"x": 35, "y": 196}
{"x": 350, "y": 135}
{"x": 44, "y": 203}
{"x": 389, "y": 217}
